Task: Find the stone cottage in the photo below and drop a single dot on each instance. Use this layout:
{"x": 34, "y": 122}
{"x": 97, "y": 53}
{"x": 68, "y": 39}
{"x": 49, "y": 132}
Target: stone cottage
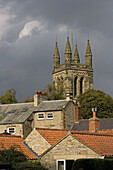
{"x": 57, "y": 114}
{"x": 17, "y": 119}
{"x": 59, "y": 148}
{"x": 20, "y": 118}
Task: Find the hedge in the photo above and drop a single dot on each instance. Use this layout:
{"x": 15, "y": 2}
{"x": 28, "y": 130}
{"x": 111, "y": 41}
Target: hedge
{"x": 93, "y": 164}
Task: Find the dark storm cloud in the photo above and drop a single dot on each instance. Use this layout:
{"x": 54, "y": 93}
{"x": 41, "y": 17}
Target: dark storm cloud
{"x": 26, "y": 60}
{"x": 83, "y": 14}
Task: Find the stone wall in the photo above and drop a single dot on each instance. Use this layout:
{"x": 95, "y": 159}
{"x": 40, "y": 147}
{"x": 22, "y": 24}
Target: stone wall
{"x": 69, "y": 148}
{"x": 36, "y": 142}
{"x": 69, "y": 116}
{"x": 26, "y": 129}
{"x": 57, "y": 122}
{"x": 18, "y": 128}
{"x": 67, "y": 75}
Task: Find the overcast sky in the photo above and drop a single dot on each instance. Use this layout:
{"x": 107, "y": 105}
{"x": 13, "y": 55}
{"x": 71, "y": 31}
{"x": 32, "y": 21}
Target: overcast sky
{"x": 28, "y": 31}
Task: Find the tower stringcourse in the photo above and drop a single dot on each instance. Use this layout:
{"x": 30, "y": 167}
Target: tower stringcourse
{"x": 74, "y": 77}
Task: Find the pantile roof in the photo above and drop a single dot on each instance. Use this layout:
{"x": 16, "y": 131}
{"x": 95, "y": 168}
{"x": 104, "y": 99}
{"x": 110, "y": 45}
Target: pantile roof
{"x": 102, "y": 143}
{"x": 52, "y": 136}
{"x": 51, "y": 105}
{"x": 7, "y": 141}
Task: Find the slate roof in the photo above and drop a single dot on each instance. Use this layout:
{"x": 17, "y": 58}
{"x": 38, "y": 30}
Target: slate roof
{"x": 7, "y": 141}
{"x": 13, "y": 113}
{"x": 102, "y": 143}
{"x": 84, "y": 124}
{"x": 51, "y": 105}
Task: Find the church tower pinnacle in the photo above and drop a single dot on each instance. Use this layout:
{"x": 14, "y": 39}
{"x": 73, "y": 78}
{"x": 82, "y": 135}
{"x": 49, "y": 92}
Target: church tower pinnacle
{"x": 68, "y": 53}
{"x": 56, "y": 57}
{"x": 72, "y": 76}
{"x": 76, "y": 55}
{"x": 88, "y": 55}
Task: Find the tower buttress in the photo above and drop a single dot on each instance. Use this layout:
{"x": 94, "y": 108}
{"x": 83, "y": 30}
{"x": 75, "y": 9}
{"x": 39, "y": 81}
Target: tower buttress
{"x": 76, "y": 55}
{"x": 68, "y": 53}
{"x": 88, "y": 55}
{"x": 56, "y": 57}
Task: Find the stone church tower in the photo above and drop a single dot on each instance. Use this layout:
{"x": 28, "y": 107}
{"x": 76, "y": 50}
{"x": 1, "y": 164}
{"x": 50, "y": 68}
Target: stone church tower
{"x": 74, "y": 77}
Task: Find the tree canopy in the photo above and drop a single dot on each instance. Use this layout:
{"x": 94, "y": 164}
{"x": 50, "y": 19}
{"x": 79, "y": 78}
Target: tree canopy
{"x": 53, "y": 93}
{"x": 28, "y": 99}
{"x": 9, "y": 97}
{"x": 96, "y": 99}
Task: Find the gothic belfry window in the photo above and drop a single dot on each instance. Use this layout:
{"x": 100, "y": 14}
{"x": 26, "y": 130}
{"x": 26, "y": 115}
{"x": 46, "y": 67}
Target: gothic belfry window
{"x": 81, "y": 85}
{"x": 75, "y": 87}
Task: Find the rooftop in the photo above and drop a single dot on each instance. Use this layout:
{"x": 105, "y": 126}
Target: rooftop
{"x": 15, "y": 113}
{"x": 84, "y": 124}
{"x": 102, "y": 143}
{"x": 8, "y": 141}
{"x": 52, "y": 136}
{"x": 52, "y": 105}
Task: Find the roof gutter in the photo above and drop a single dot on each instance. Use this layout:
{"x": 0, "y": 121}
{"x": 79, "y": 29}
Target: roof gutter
{"x": 11, "y": 123}
{"x": 108, "y": 156}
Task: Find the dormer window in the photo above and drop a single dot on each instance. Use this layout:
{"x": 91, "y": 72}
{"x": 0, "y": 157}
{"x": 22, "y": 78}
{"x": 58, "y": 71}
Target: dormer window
{"x": 49, "y": 115}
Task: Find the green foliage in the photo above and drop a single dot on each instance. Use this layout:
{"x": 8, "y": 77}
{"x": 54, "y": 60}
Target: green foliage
{"x": 9, "y": 97}
{"x": 53, "y": 93}
{"x": 18, "y": 160}
{"x": 96, "y": 99}
{"x": 92, "y": 164}
{"x": 28, "y": 99}
{"x": 11, "y": 156}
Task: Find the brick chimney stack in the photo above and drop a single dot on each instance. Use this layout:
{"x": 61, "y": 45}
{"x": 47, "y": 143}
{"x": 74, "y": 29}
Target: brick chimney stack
{"x": 77, "y": 113}
{"x": 39, "y": 97}
{"x": 94, "y": 123}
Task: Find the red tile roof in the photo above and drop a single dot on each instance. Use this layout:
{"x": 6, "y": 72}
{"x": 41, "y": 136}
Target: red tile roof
{"x": 52, "y": 136}
{"x": 7, "y": 141}
{"x": 102, "y": 143}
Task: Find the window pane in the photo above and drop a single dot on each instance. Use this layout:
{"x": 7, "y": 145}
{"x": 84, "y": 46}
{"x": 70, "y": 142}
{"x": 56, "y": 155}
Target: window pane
{"x": 49, "y": 115}
{"x": 60, "y": 165}
{"x": 11, "y": 130}
{"x": 41, "y": 116}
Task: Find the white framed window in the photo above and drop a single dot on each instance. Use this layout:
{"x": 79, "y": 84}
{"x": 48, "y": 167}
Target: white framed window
{"x": 49, "y": 115}
{"x": 61, "y": 164}
{"x": 64, "y": 164}
{"x": 11, "y": 130}
{"x": 40, "y": 116}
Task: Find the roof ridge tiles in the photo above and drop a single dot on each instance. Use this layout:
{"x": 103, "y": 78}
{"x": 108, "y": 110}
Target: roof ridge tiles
{"x": 77, "y": 132}
{"x": 91, "y": 133}
{"x": 16, "y": 104}
{"x": 51, "y": 129}
{"x": 54, "y": 101}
